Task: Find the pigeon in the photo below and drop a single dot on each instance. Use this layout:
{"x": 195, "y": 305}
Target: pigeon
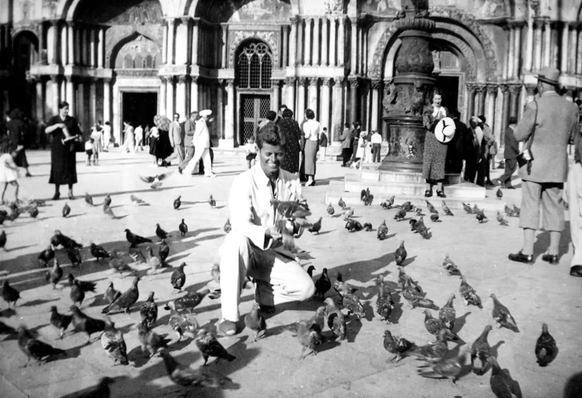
{"x": 77, "y": 294}
{"x": 177, "y": 203}
{"x": 309, "y": 271}
{"x": 399, "y": 216}
{"x": 255, "y": 321}
{"x": 450, "y": 266}
{"x": 352, "y": 303}
{"x": 421, "y": 228}
{"x": 367, "y": 227}
{"x": 499, "y": 194}
{"x": 111, "y": 294}
{"x": 398, "y": 346}
{"x": 163, "y": 251}
{"x": 480, "y": 353}
{"x": 415, "y": 297}
{"x": 447, "y": 313}
{"x": 341, "y": 203}
{"x": 516, "y": 211}
{"x": 135, "y": 239}
{"x": 431, "y": 208}
{"x": 107, "y": 201}
{"x": 185, "y": 376}
{"x": 84, "y": 323}
{"x": 382, "y": 232}
{"x": 101, "y": 390}
{"x": 178, "y": 278}
{"x": 212, "y": 202}
{"x": 435, "y": 351}
{"x": 119, "y": 265}
{"x": 160, "y": 233}
{"x": 113, "y": 343}
{"x": 353, "y": 225}
{"x": 336, "y": 320}
{"x": 34, "y": 348}
{"x": 152, "y": 261}
{"x": 501, "y": 219}
{"x": 432, "y": 324}
{"x": 316, "y": 227}
{"x": 502, "y": 385}
{"x": 309, "y": 337}
{"x": 182, "y": 322}
{"x": 98, "y": 251}
{"x": 60, "y": 321}
{"x": 58, "y": 239}
{"x": 364, "y": 195}
{"x": 88, "y": 199}
{"x": 137, "y": 201}
{"x": 384, "y": 302}
{"x": 446, "y": 209}
{"x": 502, "y": 315}
{"x": 400, "y": 254}
{"x": 209, "y": 346}
{"x": 323, "y": 284}
{"x": 406, "y": 283}
{"x": 187, "y": 302}
{"x": 55, "y": 274}
{"x": 45, "y": 256}
{"x": 434, "y": 217}
{"x": 476, "y": 209}
{"x": 149, "y": 340}
{"x": 227, "y": 227}
{"x": 125, "y": 301}
{"x": 66, "y": 210}
{"x": 479, "y": 214}
{"x": 74, "y": 256}
{"x": 343, "y": 287}
{"x": 467, "y": 208}
{"x": 33, "y": 211}
{"x": 469, "y": 294}
{"x": 349, "y": 212}
{"x": 445, "y": 368}
{"x": 85, "y": 286}
{"x": 369, "y": 198}
{"x": 109, "y": 212}
{"x": 330, "y": 209}
{"x": 153, "y": 179}
{"x": 424, "y": 303}
{"x": 183, "y": 228}
{"x": 546, "y": 349}
{"x": 149, "y": 311}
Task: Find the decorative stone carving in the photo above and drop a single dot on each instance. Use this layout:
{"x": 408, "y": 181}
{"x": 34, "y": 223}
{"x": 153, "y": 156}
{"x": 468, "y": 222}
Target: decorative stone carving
{"x": 136, "y": 72}
{"x": 182, "y": 79}
{"x": 313, "y": 81}
{"x": 515, "y": 89}
{"x": 269, "y": 37}
{"x": 326, "y": 82}
{"x": 504, "y": 89}
{"x": 302, "y": 81}
{"x": 290, "y": 81}
{"x": 492, "y": 89}
{"x": 414, "y": 56}
{"x": 376, "y": 84}
{"x": 354, "y": 83}
{"x": 334, "y": 6}
{"x": 406, "y": 99}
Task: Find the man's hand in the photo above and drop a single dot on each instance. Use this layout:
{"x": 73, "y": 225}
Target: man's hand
{"x": 273, "y": 233}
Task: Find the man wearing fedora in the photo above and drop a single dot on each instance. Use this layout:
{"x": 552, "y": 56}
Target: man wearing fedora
{"x": 201, "y": 142}
{"x": 546, "y": 127}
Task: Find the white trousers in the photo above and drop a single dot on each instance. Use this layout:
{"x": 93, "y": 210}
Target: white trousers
{"x": 281, "y": 279}
{"x": 575, "y": 209}
{"x": 199, "y": 154}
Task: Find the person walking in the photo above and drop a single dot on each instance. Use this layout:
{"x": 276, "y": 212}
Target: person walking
{"x": 311, "y": 131}
{"x": 490, "y": 148}
{"x": 472, "y": 150}
{"x": 376, "y": 146}
{"x": 574, "y": 198}
{"x": 97, "y": 145}
{"x": 509, "y": 154}
{"x": 106, "y": 136}
{"x": 201, "y": 142}
{"x": 138, "y": 132}
{"x": 129, "y": 138}
{"x": 547, "y": 125}
{"x": 176, "y": 140}
{"x": 290, "y": 130}
{"x": 64, "y": 129}
{"x": 189, "y": 129}
{"x": 16, "y": 130}
{"x": 346, "y": 144}
{"x": 435, "y": 152}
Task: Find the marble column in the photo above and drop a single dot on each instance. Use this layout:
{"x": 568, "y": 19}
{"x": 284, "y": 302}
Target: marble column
{"x": 290, "y": 83}
{"x": 92, "y": 102}
{"x": 332, "y": 40}
{"x": 224, "y": 47}
{"x": 83, "y": 46}
{"x": 276, "y": 94}
{"x": 71, "y": 43}
{"x": 71, "y": 95}
{"x": 529, "y": 45}
{"x": 170, "y": 105}
{"x": 181, "y": 96}
{"x": 101, "y": 48}
{"x": 565, "y": 47}
{"x": 515, "y": 90}
{"x": 301, "y": 99}
{"x": 42, "y": 52}
{"x": 471, "y": 88}
{"x": 285, "y": 49}
{"x": 312, "y": 94}
{"x": 341, "y": 42}
{"x": 293, "y": 42}
{"x": 337, "y": 109}
{"x": 490, "y": 109}
{"x": 194, "y": 54}
{"x": 63, "y": 40}
{"x": 164, "y": 43}
{"x": 300, "y": 42}
{"x": 54, "y": 42}
{"x": 517, "y": 53}
{"x": 480, "y": 106}
{"x": 504, "y": 111}
{"x": 376, "y": 86}
{"x": 182, "y": 42}
{"x": 78, "y": 47}
{"x": 194, "y": 97}
{"x": 230, "y": 113}
{"x": 81, "y": 104}
{"x": 40, "y": 101}
{"x": 354, "y": 47}
{"x": 538, "y": 30}
{"x": 353, "y": 105}
{"x": 171, "y": 41}
{"x": 308, "y": 45}
{"x": 573, "y": 45}
{"x": 324, "y": 42}
{"x": 579, "y": 54}
{"x": 56, "y": 93}
{"x": 555, "y": 44}
{"x": 93, "y": 47}
{"x": 107, "y": 101}
{"x": 316, "y": 40}
{"x": 324, "y": 106}
{"x": 220, "y": 108}
{"x": 547, "y": 43}
{"x": 508, "y": 69}
{"x": 163, "y": 96}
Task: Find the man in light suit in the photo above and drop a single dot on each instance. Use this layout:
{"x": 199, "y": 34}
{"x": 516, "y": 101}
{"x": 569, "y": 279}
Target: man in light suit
{"x": 253, "y": 247}
{"x": 552, "y": 120}
{"x": 201, "y": 142}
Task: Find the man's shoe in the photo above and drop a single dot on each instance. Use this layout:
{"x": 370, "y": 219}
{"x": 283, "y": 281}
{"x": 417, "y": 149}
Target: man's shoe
{"x": 267, "y": 309}
{"x": 226, "y": 327}
{"x": 576, "y": 271}
{"x": 521, "y": 258}
{"x": 550, "y": 258}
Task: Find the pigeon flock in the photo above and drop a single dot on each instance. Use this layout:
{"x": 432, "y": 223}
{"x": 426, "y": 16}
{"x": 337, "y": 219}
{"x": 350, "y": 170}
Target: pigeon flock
{"x": 447, "y": 356}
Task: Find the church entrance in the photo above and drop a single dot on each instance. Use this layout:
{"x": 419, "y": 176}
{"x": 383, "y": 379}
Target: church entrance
{"x": 253, "y": 109}
{"x": 449, "y": 86}
{"x": 138, "y": 108}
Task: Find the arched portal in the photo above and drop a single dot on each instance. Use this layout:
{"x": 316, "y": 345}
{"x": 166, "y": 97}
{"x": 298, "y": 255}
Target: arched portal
{"x": 25, "y": 44}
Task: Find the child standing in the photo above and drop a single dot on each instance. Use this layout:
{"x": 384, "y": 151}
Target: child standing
{"x": 251, "y": 151}
{"x": 89, "y": 150}
{"x": 96, "y": 137}
{"x": 376, "y": 146}
{"x": 8, "y": 169}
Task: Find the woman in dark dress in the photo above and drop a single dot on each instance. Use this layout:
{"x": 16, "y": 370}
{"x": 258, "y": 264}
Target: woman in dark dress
{"x": 16, "y": 135}
{"x": 162, "y": 147}
{"x": 292, "y": 133}
{"x": 435, "y": 153}
{"x": 63, "y": 154}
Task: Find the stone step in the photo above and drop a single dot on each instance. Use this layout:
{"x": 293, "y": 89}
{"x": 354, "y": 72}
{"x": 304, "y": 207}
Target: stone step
{"x": 336, "y": 190}
{"x": 369, "y": 171}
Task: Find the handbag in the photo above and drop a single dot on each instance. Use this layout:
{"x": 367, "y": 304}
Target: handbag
{"x": 526, "y": 157}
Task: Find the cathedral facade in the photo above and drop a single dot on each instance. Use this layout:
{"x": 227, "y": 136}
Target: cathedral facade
{"x": 128, "y": 60}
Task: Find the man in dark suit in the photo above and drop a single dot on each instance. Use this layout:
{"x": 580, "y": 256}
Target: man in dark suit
{"x": 548, "y": 122}
{"x": 510, "y": 154}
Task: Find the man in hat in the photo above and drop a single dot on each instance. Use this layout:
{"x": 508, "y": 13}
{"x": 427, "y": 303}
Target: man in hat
{"x": 548, "y": 122}
{"x": 510, "y": 154}
{"x": 176, "y": 139}
{"x": 189, "y": 129}
{"x": 201, "y": 143}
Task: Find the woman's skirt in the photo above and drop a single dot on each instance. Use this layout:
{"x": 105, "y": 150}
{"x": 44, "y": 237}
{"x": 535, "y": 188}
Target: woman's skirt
{"x": 310, "y": 156}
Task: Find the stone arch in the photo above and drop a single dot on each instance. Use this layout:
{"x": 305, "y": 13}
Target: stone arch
{"x": 240, "y": 37}
{"x": 221, "y": 11}
{"x": 115, "y": 50}
{"x": 66, "y": 8}
{"x": 469, "y": 37}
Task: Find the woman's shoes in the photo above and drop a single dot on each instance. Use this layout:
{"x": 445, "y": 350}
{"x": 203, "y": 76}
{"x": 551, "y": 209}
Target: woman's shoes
{"x": 56, "y": 196}
{"x": 441, "y": 194}
{"x": 71, "y": 196}
{"x": 428, "y": 193}
{"x": 550, "y": 258}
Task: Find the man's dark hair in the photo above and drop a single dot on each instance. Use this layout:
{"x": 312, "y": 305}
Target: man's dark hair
{"x": 271, "y": 134}
{"x": 287, "y": 113}
{"x": 271, "y": 115}
{"x": 63, "y": 104}
{"x": 483, "y": 119}
{"x": 309, "y": 114}
{"x": 283, "y": 107}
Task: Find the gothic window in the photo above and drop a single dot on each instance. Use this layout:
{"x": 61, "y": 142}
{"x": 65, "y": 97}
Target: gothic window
{"x": 149, "y": 62}
{"x": 140, "y": 53}
{"x": 255, "y": 66}
{"x": 139, "y": 62}
{"x": 128, "y": 61}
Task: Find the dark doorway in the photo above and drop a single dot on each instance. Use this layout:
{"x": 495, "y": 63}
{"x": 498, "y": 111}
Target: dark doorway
{"x": 139, "y": 108}
{"x": 253, "y": 109}
{"x": 449, "y": 86}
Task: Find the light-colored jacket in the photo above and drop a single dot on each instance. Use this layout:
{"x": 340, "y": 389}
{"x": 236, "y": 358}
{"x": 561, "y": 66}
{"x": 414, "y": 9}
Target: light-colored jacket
{"x": 345, "y": 138}
{"x": 175, "y": 133}
{"x": 251, "y": 211}
{"x": 201, "y": 135}
{"x": 557, "y": 120}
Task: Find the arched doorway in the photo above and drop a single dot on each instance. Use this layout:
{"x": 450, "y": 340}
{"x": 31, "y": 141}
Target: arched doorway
{"x": 25, "y": 55}
{"x": 450, "y": 70}
{"x": 253, "y": 70}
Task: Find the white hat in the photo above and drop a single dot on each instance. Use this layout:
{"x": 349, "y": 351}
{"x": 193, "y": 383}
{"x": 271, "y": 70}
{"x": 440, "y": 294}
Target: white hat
{"x": 206, "y": 112}
{"x": 444, "y": 130}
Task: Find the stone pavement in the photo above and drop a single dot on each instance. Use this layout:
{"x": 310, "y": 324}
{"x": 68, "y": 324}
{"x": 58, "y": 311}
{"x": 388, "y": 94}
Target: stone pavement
{"x": 272, "y": 367}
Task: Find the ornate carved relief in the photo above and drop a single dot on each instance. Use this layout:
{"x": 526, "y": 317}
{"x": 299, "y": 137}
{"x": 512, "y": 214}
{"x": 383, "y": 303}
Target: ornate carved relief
{"x": 269, "y": 37}
{"x": 136, "y": 72}
{"x": 406, "y": 99}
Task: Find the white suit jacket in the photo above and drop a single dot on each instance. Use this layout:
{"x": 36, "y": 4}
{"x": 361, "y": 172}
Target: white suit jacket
{"x": 201, "y": 135}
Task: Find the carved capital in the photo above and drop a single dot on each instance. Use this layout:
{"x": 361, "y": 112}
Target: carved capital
{"x": 313, "y": 81}
{"x": 354, "y": 82}
{"x": 471, "y": 87}
{"x": 326, "y": 82}
{"x": 376, "y": 84}
{"x": 504, "y": 88}
{"x": 276, "y": 82}
{"x": 106, "y": 80}
{"x": 55, "y": 78}
{"x": 295, "y": 20}
{"x": 515, "y": 88}
{"x": 182, "y": 79}
{"x": 185, "y": 20}
{"x": 339, "y": 81}
{"x": 480, "y": 88}
{"x": 290, "y": 81}
{"x": 230, "y": 83}
{"x": 302, "y": 81}
{"x": 492, "y": 89}
{"x": 530, "y": 89}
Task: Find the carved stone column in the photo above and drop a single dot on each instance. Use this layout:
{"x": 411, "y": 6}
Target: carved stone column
{"x": 220, "y": 109}
{"x": 171, "y": 40}
{"x": 181, "y": 96}
{"x": 505, "y": 110}
{"x": 510, "y": 48}
{"x": 471, "y": 89}
{"x": 565, "y": 46}
{"x": 92, "y": 102}
{"x": 71, "y": 95}
{"x": 182, "y": 41}
{"x": 164, "y": 42}
{"x": 515, "y": 90}
{"x": 300, "y": 53}
{"x": 93, "y": 47}
{"x": 337, "y": 108}
{"x": 480, "y": 106}
{"x": 312, "y": 94}
{"x": 293, "y": 42}
{"x": 54, "y": 42}
{"x": 332, "y": 40}
{"x": 163, "y": 97}
{"x": 71, "y": 43}
{"x": 538, "y": 30}
{"x": 63, "y": 40}
{"x": 107, "y": 101}
{"x": 324, "y": 42}
{"x": 195, "y": 40}
{"x": 574, "y": 45}
{"x": 290, "y": 101}
{"x": 56, "y": 93}
{"x": 547, "y": 43}
{"x": 529, "y": 47}
{"x": 276, "y": 94}
{"x": 518, "y": 26}
{"x": 341, "y": 42}
{"x": 354, "y": 83}
{"x": 325, "y": 103}
{"x": 490, "y": 108}
{"x": 308, "y": 45}
{"x": 354, "y": 47}
{"x": 230, "y": 113}
{"x": 81, "y": 104}
{"x": 194, "y": 96}
{"x": 376, "y": 86}
{"x": 555, "y": 44}
{"x": 301, "y": 99}
{"x": 316, "y": 40}
{"x": 170, "y": 104}
{"x": 101, "y": 48}
{"x": 285, "y": 49}
{"x": 40, "y": 99}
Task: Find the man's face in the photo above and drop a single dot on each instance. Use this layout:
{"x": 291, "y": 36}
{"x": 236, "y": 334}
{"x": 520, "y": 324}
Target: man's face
{"x": 65, "y": 111}
{"x": 270, "y": 157}
{"x": 437, "y": 99}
